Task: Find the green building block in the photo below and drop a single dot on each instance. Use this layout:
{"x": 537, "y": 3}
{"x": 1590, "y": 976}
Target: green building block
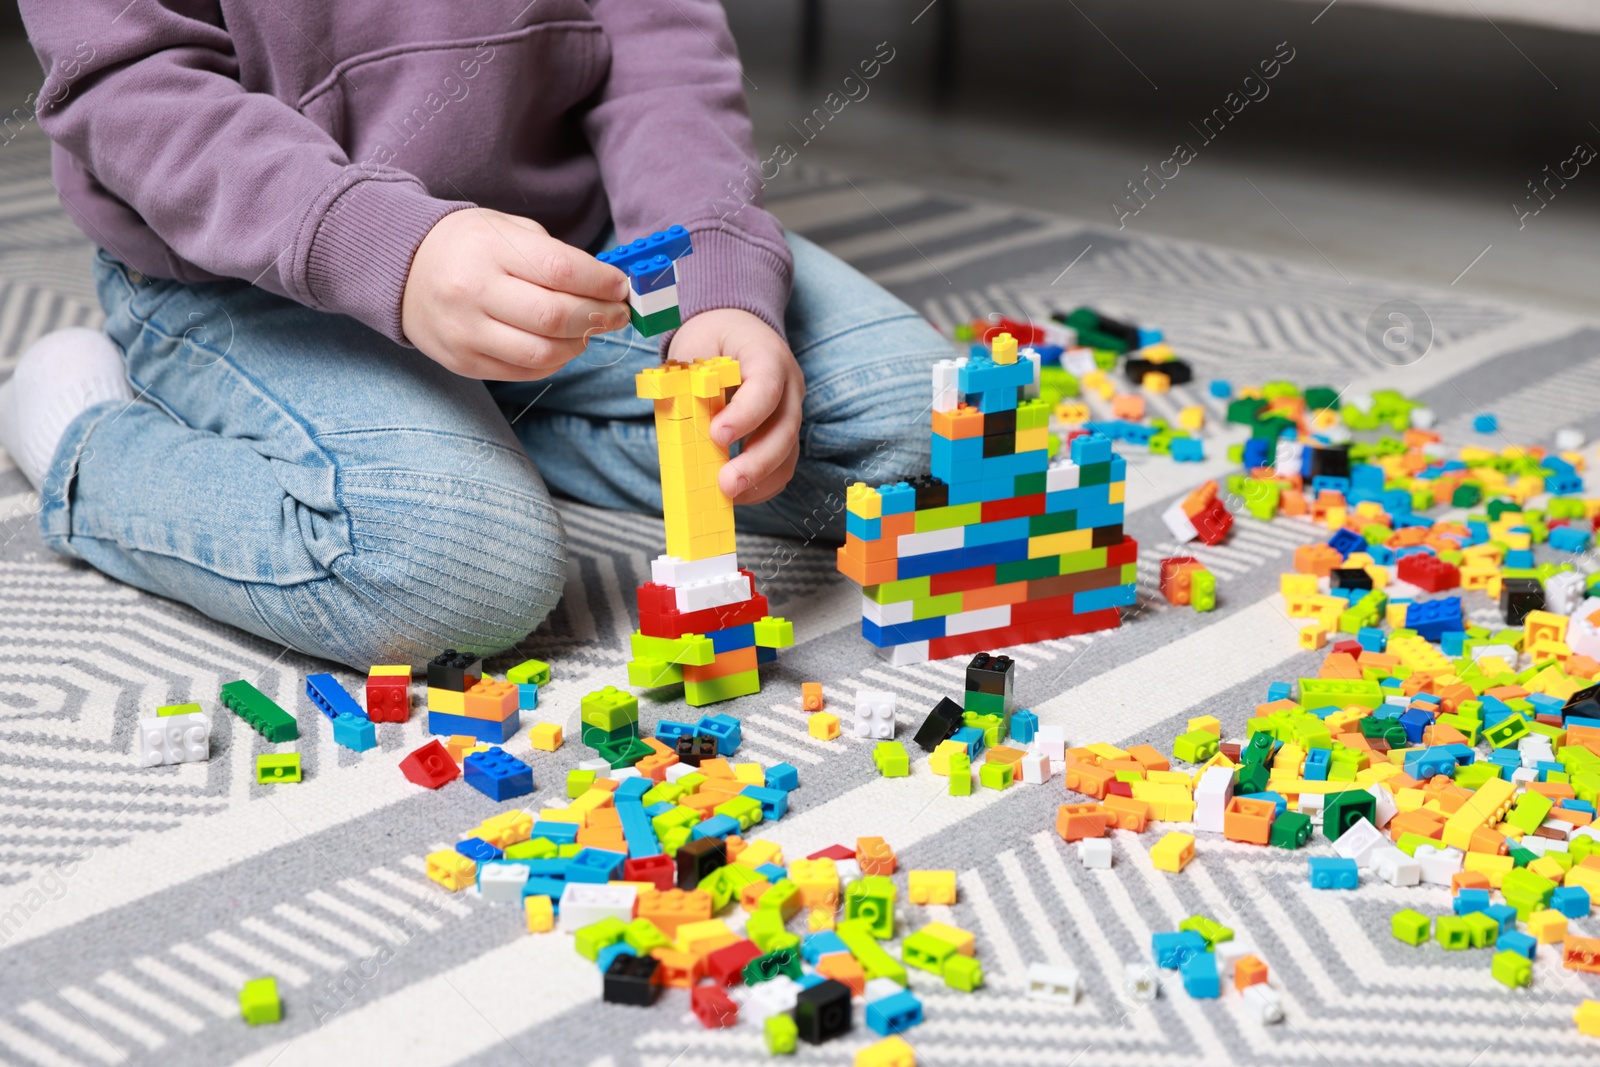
{"x": 589, "y": 940}
{"x": 857, "y": 937}
{"x": 774, "y": 632}
{"x": 578, "y": 783}
{"x": 1292, "y": 829}
{"x": 765, "y": 927}
{"x": 1410, "y": 926}
{"x": 1474, "y": 775}
{"x": 529, "y": 672}
{"x": 871, "y": 899}
{"x": 642, "y": 936}
{"x": 764, "y": 968}
{"x": 963, "y": 972}
{"x": 1482, "y": 930}
{"x": 648, "y": 672}
{"x": 1341, "y": 810}
{"x": 623, "y": 753}
{"x": 746, "y": 809}
{"x": 178, "y": 709}
{"x": 994, "y": 727}
{"x": 781, "y": 1034}
{"x": 692, "y": 650}
{"x": 891, "y": 759}
{"x": 538, "y": 848}
{"x": 1451, "y": 932}
{"x": 984, "y": 703}
{"x": 1508, "y": 731}
{"x": 1196, "y": 746}
{"x": 1526, "y": 891}
{"x": 1529, "y": 812}
{"x": 595, "y": 736}
{"x": 259, "y": 1003}
{"x": 1511, "y": 968}
{"x": 996, "y": 775}
{"x": 1251, "y": 778}
{"x": 712, "y": 690}
{"x": 1214, "y": 932}
{"x": 926, "y": 952}
{"x": 960, "y": 775}
{"x": 1203, "y": 589}
{"x": 264, "y": 717}
{"x": 609, "y": 709}
{"x": 278, "y": 767}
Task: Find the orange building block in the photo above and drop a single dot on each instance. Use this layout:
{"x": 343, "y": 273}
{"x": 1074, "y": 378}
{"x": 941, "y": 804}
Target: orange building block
{"x": 1318, "y": 559}
{"x": 677, "y": 969}
{"x": 1088, "y": 779}
{"x": 1126, "y": 813}
{"x": 1248, "y": 820}
{"x": 1581, "y": 954}
{"x": 671, "y": 909}
{"x": 874, "y": 856}
{"x": 811, "y": 696}
{"x": 842, "y": 967}
{"x": 1248, "y": 971}
{"x": 1074, "y": 822}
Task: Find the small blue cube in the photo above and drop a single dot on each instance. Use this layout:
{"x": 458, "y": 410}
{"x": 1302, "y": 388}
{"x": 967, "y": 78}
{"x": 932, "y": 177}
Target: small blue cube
{"x": 1188, "y": 450}
{"x": 1571, "y": 901}
{"x": 1333, "y": 872}
{"x": 1485, "y": 423}
{"x": 527, "y": 697}
{"x": 1200, "y": 977}
{"x": 355, "y": 734}
{"x": 782, "y": 776}
{"x": 1024, "y": 727}
{"x": 894, "y": 1013}
{"x": 1221, "y": 389}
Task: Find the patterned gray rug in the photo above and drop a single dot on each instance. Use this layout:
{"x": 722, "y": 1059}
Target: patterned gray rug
{"x": 134, "y": 903}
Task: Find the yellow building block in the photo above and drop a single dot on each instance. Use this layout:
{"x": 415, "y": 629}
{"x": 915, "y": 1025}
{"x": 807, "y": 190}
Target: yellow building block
{"x": 931, "y": 887}
{"x": 819, "y": 920}
{"x": 545, "y": 736}
{"x": 1492, "y": 867}
{"x": 1545, "y": 867}
{"x": 447, "y": 701}
{"x": 1173, "y": 852}
{"x": 451, "y": 869}
{"x": 1484, "y": 806}
{"x": 1192, "y": 417}
{"x": 1395, "y": 615}
{"x": 705, "y": 936}
{"x": 563, "y": 815}
{"x": 823, "y": 725}
{"x": 964, "y": 942}
{"x": 817, "y": 880}
{"x": 939, "y": 760}
{"x": 892, "y": 1051}
{"x": 862, "y": 501}
{"x": 1168, "y": 802}
{"x": 1105, "y": 751}
{"x": 1169, "y": 778}
{"x": 1587, "y": 1016}
{"x": 1209, "y": 723}
{"x": 389, "y": 670}
{"x": 541, "y": 914}
{"x": 1586, "y": 877}
{"x": 505, "y": 829}
{"x": 1313, "y": 638}
{"x": 1548, "y": 926}
{"x": 760, "y": 852}
{"x": 750, "y": 773}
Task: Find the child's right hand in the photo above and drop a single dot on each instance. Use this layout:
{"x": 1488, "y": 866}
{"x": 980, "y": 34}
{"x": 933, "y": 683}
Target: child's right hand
{"x": 494, "y": 296}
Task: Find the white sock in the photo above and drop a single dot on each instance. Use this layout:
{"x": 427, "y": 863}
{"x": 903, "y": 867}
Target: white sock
{"x": 59, "y": 377}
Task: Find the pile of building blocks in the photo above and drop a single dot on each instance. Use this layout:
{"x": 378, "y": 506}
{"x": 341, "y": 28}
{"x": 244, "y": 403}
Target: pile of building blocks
{"x": 1209, "y": 958}
{"x": 1185, "y": 582}
{"x": 652, "y": 274}
{"x": 701, "y": 621}
{"x": 463, "y": 700}
{"x": 956, "y": 735}
{"x": 659, "y": 876}
{"x": 1001, "y": 545}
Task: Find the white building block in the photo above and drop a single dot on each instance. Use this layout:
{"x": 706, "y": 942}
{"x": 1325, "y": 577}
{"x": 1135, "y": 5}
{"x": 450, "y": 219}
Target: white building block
{"x": 891, "y": 614}
{"x": 655, "y": 302}
{"x": 1079, "y": 361}
{"x": 679, "y": 770}
{"x": 1423, "y": 418}
{"x": 1569, "y": 439}
{"x": 1563, "y": 592}
{"x": 1228, "y": 954}
{"x": 716, "y": 592}
{"x": 878, "y": 988}
{"x": 1055, "y": 982}
{"x": 1211, "y": 796}
{"x": 1141, "y": 981}
{"x": 1095, "y": 853}
{"x": 1031, "y": 391}
{"x": 1178, "y": 523}
{"x": 1437, "y": 866}
{"x": 1062, "y": 476}
{"x": 167, "y": 739}
{"x": 1051, "y": 741}
{"x": 598, "y": 766}
{"x": 874, "y": 715}
{"x": 583, "y": 903}
{"x": 1035, "y": 768}
{"x": 501, "y": 882}
{"x": 946, "y": 384}
{"x": 1265, "y": 1005}
{"x": 775, "y": 995}
{"x": 1386, "y": 806}
{"x": 670, "y": 570}
{"x": 1359, "y": 842}
{"x": 1395, "y": 867}
{"x": 977, "y": 620}
{"x": 1583, "y": 636}
{"x": 918, "y": 544}
{"x": 1286, "y": 460}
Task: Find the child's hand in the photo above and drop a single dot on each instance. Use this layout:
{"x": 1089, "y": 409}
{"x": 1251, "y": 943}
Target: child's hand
{"x": 494, "y": 296}
{"x": 764, "y": 411}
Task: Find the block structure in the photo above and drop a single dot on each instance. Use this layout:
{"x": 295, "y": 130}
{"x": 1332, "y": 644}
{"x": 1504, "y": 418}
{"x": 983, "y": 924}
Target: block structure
{"x": 649, "y": 264}
{"x": 462, "y": 701}
{"x": 701, "y": 621}
{"x": 1001, "y": 545}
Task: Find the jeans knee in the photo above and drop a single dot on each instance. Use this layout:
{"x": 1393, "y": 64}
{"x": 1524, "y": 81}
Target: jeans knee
{"x": 444, "y": 562}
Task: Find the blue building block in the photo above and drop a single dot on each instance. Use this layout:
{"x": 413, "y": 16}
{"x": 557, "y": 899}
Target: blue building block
{"x": 1316, "y": 769}
{"x": 1468, "y": 901}
{"x": 1333, "y": 872}
{"x": 330, "y": 698}
{"x": 897, "y": 499}
{"x": 651, "y": 275}
{"x": 1571, "y": 901}
{"x": 1090, "y": 448}
{"x": 716, "y": 826}
{"x": 478, "y": 850}
{"x": 1279, "y": 691}
{"x": 774, "y": 802}
{"x": 355, "y": 734}
{"x": 674, "y": 243}
{"x": 1346, "y": 542}
{"x": 1569, "y": 539}
{"x": 1415, "y": 721}
{"x": 1485, "y": 423}
{"x": 782, "y": 776}
{"x": 1200, "y": 977}
{"x": 1504, "y": 914}
{"x": 1171, "y": 948}
{"x": 866, "y": 529}
{"x": 1220, "y": 388}
{"x": 1521, "y": 558}
{"x": 1149, "y": 336}
{"x": 595, "y": 866}
{"x": 554, "y": 870}
{"x": 972, "y": 737}
{"x": 487, "y": 730}
{"x": 497, "y": 774}
{"x": 1024, "y": 727}
{"x": 669, "y": 731}
{"x": 1188, "y": 450}
{"x": 632, "y": 789}
{"x": 825, "y": 943}
{"x": 725, "y": 728}
{"x": 1372, "y": 639}
{"x": 1276, "y": 799}
{"x": 1516, "y": 941}
{"x": 772, "y": 872}
{"x": 557, "y": 833}
{"x": 527, "y": 696}
{"x": 1255, "y": 453}
{"x": 1433, "y": 618}
{"x": 636, "y": 828}
{"x": 894, "y": 1014}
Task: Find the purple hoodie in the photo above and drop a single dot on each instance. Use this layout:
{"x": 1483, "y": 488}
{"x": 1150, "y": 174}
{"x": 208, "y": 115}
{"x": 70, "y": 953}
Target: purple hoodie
{"x": 308, "y": 146}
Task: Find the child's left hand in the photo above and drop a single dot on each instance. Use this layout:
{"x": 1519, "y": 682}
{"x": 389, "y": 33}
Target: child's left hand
{"x": 765, "y": 409}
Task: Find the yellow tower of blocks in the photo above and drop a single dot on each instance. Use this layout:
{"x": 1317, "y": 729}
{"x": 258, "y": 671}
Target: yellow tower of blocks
{"x": 699, "y": 518}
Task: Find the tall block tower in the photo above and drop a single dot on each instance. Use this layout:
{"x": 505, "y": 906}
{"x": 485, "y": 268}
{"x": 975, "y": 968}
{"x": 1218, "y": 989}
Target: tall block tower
{"x": 1005, "y": 543}
{"x": 701, "y": 620}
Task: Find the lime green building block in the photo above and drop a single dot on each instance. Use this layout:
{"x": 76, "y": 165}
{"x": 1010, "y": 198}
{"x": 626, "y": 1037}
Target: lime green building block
{"x": 774, "y": 632}
{"x": 1213, "y": 932}
{"x": 963, "y": 972}
{"x": 926, "y": 952}
{"x": 996, "y": 775}
{"x": 933, "y": 607}
{"x": 178, "y": 709}
{"x": 1482, "y": 930}
{"x": 1202, "y": 590}
{"x": 746, "y": 809}
{"x": 871, "y": 900}
{"x": 694, "y": 650}
{"x": 578, "y": 783}
{"x": 529, "y": 672}
{"x": 1529, "y": 812}
{"x": 1196, "y": 746}
{"x": 642, "y": 936}
{"x": 1410, "y": 926}
{"x": 781, "y": 1033}
{"x": 274, "y": 768}
{"x": 259, "y": 1002}
{"x": 589, "y": 940}
{"x": 1451, "y": 932}
{"x": 1508, "y": 731}
{"x": 857, "y": 937}
{"x": 609, "y": 708}
{"x": 649, "y": 673}
{"x": 947, "y": 517}
{"x": 891, "y": 759}
{"x": 895, "y": 592}
{"x": 711, "y": 690}
{"x": 1511, "y": 968}
{"x": 537, "y": 848}
{"x": 960, "y": 775}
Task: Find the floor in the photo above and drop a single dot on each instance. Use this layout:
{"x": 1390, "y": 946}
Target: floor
{"x": 1391, "y": 145}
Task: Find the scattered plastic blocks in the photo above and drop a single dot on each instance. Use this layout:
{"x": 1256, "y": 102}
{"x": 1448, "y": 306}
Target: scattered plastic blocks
{"x": 264, "y": 717}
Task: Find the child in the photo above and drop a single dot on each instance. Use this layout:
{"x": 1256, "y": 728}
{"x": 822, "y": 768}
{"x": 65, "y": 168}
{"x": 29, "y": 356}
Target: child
{"x": 354, "y": 329}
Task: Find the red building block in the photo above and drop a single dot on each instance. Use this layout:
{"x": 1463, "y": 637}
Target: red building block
{"x": 388, "y": 697}
{"x": 726, "y": 964}
{"x": 1213, "y": 522}
{"x": 430, "y": 766}
{"x": 714, "y": 1008}
{"x": 1429, "y": 572}
{"x": 659, "y": 871}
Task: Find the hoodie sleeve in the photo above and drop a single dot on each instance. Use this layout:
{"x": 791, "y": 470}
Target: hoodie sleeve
{"x": 672, "y": 133}
{"x": 237, "y": 183}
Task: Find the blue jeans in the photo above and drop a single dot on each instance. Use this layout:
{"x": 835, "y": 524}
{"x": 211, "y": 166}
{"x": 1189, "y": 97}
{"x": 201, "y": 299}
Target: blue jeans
{"x": 299, "y": 476}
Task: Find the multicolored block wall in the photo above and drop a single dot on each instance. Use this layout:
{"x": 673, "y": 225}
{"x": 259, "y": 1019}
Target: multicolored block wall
{"x": 1004, "y": 544}
{"x": 701, "y": 621}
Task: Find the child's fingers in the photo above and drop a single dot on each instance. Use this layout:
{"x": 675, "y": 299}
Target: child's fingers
{"x": 554, "y": 265}
{"x": 541, "y": 355}
{"x": 770, "y": 450}
{"x": 754, "y": 401}
{"x": 774, "y": 483}
{"x": 551, "y": 314}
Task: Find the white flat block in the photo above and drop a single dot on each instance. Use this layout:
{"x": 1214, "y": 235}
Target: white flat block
{"x": 1095, "y": 853}
{"x": 892, "y": 614}
{"x": 164, "y": 739}
{"x": 905, "y": 655}
{"x": 502, "y": 883}
{"x": 584, "y": 903}
{"x": 1054, "y": 982}
{"x": 971, "y": 622}
{"x": 918, "y": 544}
{"x": 670, "y": 570}
{"x": 1060, "y": 478}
